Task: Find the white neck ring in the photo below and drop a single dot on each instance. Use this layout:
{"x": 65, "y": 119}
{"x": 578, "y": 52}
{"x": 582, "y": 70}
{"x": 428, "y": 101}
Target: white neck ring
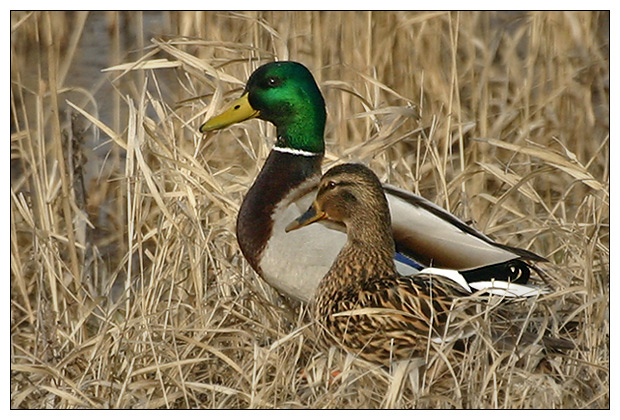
{"x": 294, "y": 151}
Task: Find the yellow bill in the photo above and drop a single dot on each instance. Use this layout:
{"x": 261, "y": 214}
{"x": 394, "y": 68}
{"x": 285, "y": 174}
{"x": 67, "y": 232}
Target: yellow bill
{"x": 313, "y": 214}
{"x": 239, "y": 110}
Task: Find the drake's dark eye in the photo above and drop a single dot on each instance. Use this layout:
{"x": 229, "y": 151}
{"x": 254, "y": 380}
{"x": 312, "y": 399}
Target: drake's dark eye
{"x": 272, "y": 81}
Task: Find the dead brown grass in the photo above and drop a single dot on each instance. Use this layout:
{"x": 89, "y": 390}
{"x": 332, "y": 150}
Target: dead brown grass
{"x": 127, "y": 286}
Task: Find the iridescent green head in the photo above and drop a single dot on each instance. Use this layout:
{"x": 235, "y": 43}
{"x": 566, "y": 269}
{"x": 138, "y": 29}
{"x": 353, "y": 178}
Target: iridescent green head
{"x": 285, "y": 94}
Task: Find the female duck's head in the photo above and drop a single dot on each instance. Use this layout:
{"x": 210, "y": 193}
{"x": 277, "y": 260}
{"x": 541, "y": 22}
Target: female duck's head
{"x": 351, "y": 194}
{"x": 285, "y": 94}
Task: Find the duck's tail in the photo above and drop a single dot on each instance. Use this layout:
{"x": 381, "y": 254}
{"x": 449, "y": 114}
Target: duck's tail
{"x": 485, "y": 279}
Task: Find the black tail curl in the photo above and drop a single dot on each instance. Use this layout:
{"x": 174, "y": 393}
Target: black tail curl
{"x": 514, "y": 271}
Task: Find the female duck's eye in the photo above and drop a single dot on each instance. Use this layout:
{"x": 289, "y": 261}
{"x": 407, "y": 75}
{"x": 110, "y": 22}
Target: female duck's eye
{"x": 330, "y": 185}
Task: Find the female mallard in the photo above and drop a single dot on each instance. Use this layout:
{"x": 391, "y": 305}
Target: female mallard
{"x": 285, "y": 94}
{"x": 363, "y": 303}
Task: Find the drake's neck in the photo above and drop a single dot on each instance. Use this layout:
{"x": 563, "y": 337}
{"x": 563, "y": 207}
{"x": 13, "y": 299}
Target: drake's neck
{"x": 303, "y": 134}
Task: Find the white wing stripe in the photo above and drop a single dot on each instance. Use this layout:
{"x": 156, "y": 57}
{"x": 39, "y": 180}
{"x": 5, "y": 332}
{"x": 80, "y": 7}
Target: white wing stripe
{"x": 503, "y": 288}
{"x": 453, "y": 275}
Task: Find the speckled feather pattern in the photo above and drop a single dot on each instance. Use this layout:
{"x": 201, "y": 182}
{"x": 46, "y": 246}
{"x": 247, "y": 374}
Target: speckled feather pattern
{"x": 363, "y": 304}
{"x": 383, "y": 316}
{"x": 370, "y": 310}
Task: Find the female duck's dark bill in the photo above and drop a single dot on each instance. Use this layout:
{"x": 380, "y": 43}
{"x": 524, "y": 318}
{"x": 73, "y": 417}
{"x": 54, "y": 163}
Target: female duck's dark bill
{"x": 239, "y": 110}
{"x": 313, "y": 214}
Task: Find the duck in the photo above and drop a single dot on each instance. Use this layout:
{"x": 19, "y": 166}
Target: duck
{"x": 286, "y": 94}
{"x": 363, "y": 303}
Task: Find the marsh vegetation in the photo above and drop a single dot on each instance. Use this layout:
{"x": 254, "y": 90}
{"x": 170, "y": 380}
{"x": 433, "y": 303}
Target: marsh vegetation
{"x": 128, "y": 289}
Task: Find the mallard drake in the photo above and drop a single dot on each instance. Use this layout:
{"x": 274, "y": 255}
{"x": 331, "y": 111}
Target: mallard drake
{"x": 363, "y": 303}
{"x": 285, "y": 94}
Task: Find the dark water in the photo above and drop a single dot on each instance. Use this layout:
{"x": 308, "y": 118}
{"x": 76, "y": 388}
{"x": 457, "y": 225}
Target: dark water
{"x": 106, "y": 42}
{"x": 96, "y": 52}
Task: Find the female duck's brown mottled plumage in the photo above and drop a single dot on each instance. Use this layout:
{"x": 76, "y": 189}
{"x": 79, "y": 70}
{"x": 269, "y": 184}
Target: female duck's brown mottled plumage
{"x": 369, "y": 309}
{"x": 362, "y": 302}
